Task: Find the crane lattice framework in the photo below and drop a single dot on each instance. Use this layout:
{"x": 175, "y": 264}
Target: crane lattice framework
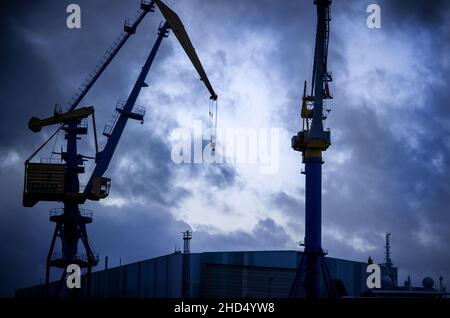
{"x": 311, "y": 141}
{"x": 59, "y": 182}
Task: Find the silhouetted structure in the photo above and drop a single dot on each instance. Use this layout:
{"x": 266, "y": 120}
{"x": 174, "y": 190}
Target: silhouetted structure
{"x": 59, "y": 181}
{"x": 216, "y": 274}
{"x": 187, "y": 236}
{"x": 311, "y": 141}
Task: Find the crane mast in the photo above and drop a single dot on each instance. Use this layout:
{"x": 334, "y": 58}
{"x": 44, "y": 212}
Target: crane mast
{"x": 311, "y": 141}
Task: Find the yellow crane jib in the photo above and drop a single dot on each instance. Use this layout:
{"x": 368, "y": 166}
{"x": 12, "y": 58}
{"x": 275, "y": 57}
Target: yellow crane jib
{"x": 46, "y": 181}
{"x": 35, "y": 124}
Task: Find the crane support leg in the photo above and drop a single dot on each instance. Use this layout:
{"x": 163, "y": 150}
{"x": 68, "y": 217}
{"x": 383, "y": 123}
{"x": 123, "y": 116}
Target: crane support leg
{"x": 70, "y": 224}
{"x": 313, "y": 221}
{"x": 312, "y": 265}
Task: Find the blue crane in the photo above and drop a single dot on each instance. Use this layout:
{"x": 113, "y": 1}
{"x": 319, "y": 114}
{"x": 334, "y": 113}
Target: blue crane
{"x": 50, "y": 181}
{"x": 311, "y": 141}
{"x": 125, "y": 111}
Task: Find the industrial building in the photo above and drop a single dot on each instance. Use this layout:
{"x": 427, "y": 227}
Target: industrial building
{"x": 261, "y": 274}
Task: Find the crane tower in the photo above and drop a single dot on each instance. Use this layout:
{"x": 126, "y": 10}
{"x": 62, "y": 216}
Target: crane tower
{"x": 311, "y": 141}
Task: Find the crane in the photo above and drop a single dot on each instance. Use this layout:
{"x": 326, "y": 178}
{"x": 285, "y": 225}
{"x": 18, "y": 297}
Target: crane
{"x": 311, "y": 141}
{"x": 49, "y": 181}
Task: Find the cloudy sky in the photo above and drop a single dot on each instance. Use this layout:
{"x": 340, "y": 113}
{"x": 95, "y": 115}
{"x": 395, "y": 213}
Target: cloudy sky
{"x": 387, "y": 170}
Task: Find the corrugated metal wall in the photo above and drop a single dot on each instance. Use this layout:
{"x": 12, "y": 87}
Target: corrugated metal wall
{"x": 214, "y": 274}
{"x": 154, "y": 278}
{"x": 246, "y": 281}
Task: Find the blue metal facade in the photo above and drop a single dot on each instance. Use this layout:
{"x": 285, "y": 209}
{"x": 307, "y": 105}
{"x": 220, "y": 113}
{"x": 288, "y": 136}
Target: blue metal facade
{"x": 212, "y": 274}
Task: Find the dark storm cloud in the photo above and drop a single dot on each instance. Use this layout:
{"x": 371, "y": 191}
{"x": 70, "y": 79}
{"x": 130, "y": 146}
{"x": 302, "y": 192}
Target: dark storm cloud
{"x": 141, "y": 232}
{"x": 265, "y": 235}
{"x": 24, "y": 233}
{"x": 28, "y": 84}
{"x": 145, "y": 171}
{"x": 217, "y": 175}
{"x": 387, "y": 184}
{"x": 428, "y": 14}
{"x": 289, "y": 205}
{"x": 35, "y": 36}
{"x": 221, "y": 175}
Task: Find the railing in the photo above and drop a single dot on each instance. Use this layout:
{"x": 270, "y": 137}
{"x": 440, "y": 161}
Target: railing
{"x": 78, "y": 257}
{"x": 137, "y": 109}
{"x": 107, "y": 131}
{"x": 140, "y": 110}
{"x": 110, "y": 126}
{"x": 120, "y": 104}
{"x": 83, "y": 123}
{"x": 56, "y": 212}
{"x": 51, "y": 160}
{"x": 57, "y": 255}
{"x": 60, "y": 211}
{"x": 86, "y": 213}
{"x": 129, "y": 25}
{"x": 99, "y": 67}
{"x": 147, "y": 5}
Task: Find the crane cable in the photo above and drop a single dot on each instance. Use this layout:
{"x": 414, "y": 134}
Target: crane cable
{"x": 43, "y": 145}
{"x": 213, "y": 123}
{"x": 215, "y": 128}
{"x": 55, "y": 133}
{"x": 54, "y": 145}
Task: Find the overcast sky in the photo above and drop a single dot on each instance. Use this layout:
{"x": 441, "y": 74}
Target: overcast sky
{"x": 386, "y": 171}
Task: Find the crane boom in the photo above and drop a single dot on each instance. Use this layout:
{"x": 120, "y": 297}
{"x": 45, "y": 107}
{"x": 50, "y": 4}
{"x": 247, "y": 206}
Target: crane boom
{"x": 173, "y": 22}
{"x": 104, "y": 157}
{"x": 178, "y": 29}
{"x": 320, "y": 76}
